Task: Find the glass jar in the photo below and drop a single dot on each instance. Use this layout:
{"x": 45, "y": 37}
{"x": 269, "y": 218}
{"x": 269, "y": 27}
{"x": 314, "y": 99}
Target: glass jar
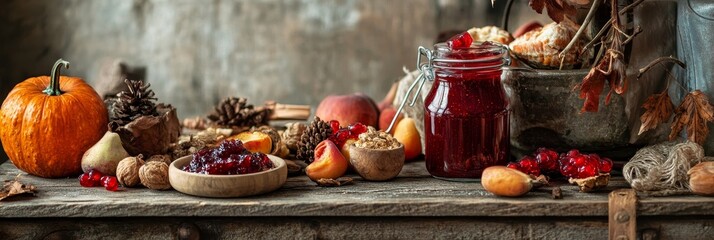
{"x": 466, "y": 122}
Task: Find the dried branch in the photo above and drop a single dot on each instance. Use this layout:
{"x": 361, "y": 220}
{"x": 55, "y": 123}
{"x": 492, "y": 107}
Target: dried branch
{"x": 597, "y": 38}
{"x": 638, "y": 30}
{"x": 658, "y": 61}
{"x": 630, "y": 7}
{"x": 588, "y": 18}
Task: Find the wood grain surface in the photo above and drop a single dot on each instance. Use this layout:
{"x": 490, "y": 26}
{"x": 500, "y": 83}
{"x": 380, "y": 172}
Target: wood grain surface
{"x": 412, "y": 194}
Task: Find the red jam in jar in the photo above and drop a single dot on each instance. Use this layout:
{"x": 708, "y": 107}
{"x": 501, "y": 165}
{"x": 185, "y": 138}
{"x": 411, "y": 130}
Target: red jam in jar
{"x": 466, "y": 112}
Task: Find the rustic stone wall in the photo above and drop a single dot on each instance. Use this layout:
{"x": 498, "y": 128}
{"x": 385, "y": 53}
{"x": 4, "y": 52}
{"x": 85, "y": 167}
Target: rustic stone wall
{"x": 197, "y": 52}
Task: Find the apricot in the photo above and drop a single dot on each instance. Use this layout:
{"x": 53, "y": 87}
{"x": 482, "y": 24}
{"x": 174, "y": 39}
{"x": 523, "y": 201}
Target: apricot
{"x": 329, "y": 162}
{"x": 346, "y": 148}
{"x": 348, "y": 109}
{"x": 506, "y": 182}
{"x": 386, "y": 116}
{"x": 255, "y": 141}
{"x": 406, "y": 133}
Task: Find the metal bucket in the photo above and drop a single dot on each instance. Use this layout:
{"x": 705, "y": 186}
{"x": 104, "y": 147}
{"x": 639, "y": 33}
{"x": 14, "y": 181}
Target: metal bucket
{"x": 545, "y": 112}
{"x": 695, "y": 46}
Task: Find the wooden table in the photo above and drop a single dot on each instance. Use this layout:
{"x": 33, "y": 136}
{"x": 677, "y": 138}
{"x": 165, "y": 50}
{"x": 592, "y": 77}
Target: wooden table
{"x": 413, "y": 206}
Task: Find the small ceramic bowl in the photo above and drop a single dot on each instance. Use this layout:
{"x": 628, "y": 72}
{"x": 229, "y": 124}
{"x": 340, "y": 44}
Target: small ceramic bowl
{"x": 205, "y": 185}
{"x": 377, "y": 164}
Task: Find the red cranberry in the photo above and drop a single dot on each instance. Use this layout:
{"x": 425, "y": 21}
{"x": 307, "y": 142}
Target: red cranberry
{"x": 228, "y": 158}
{"x": 357, "y": 128}
{"x": 85, "y": 180}
{"x": 573, "y": 153}
{"x": 529, "y": 165}
{"x": 514, "y": 166}
{"x": 461, "y": 40}
{"x": 578, "y": 161}
{"x": 569, "y": 171}
{"x": 587, "y": 171}
{"x": 547, "y": 160}
{"x": 340, "y": 137}
{"x": 110, "y": 183}
{"x": 96, "y": 177}
{"x": 335, "y": 125}
{"x": 605, "y": 165}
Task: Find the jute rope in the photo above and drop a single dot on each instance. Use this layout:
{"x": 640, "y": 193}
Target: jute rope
{"x": 661, "y": 169}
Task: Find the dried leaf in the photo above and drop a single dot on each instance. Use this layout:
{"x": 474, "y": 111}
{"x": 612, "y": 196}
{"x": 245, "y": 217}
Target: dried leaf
{"x": 329, "y": 182}
{"x": 150, "y": 135}
{"x": 557, "y": 9}
{"x": 611, "y": 69}
{"x": 658, "y": 109}
{"x": 15, "y": 187}
{"x": 693, "y": 113}
{"x": 591, "y": 183}
{"x": 591, "y": 88}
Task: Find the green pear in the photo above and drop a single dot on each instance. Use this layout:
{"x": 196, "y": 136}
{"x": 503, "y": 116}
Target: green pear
{"x": 105, "y": 155}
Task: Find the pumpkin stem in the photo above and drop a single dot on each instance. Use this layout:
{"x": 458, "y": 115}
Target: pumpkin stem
{"x": 54, "y": 88}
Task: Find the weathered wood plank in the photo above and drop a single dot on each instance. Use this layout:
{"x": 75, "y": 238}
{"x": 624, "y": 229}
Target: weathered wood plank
{"x": 413, "y": 193}
{"x": 346, "y": 228}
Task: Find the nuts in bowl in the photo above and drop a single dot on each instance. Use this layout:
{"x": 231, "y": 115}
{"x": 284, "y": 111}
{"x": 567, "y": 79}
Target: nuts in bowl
{"x": 377, "y": 156}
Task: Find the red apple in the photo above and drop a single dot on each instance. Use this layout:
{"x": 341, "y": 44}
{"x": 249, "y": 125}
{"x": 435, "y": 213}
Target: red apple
{"x": 348, "y": 109}
{"x": 386, "y": 116}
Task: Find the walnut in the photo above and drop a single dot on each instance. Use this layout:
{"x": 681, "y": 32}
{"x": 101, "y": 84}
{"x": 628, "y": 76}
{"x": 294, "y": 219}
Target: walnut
{"x": 374, "y": 139}
{"x": 161, "y": 158}
{"x": 128, "y": 171}
{"x": 291, "y": 135}
{"x": 155, "y": 175}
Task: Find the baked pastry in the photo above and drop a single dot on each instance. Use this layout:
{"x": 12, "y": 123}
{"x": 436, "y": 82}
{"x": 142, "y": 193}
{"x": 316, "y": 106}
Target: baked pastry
{"x": 540, "y": 47}
{"x": 491, "y": 34}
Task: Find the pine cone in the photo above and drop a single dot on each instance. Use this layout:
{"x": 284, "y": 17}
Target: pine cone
{"x": 317, "y": 132}
{"x": 138, "y": 101}
{"x": 236, "y": 112}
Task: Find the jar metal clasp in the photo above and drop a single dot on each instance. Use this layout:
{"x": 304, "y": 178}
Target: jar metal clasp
{"x": 426, "y": 72}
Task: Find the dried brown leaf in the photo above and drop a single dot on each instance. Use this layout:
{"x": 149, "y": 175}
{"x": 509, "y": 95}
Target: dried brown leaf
{"x": 693, "y": 113}
{"x": 329, "y": 182}
{"x": 150, "y": 135}
{"x": 591, "y": 88}
{"x": 591, "y": 183}
{"x": 658, "y": 109}
{"x": 15, "y": 187}
{"x": 557, "y": 9}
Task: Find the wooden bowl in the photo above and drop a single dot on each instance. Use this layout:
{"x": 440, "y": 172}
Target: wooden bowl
{"x": 377, "y": 164}
{"x": 205, "y": 185}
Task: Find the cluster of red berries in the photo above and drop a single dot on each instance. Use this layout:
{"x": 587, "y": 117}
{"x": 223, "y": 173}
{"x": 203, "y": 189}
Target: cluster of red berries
{"x": 572, "y": 164}
{"x": 229, "y": 158}
{"x": 340, "y": 135}
{"x": 95, "y": 178}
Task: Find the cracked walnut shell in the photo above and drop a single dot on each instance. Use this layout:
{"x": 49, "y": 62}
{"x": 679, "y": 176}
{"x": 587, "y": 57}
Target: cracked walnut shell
{"x": 160, "y": 158}
{"x": 155, "y": 175}
{"x": 128, "y": 171}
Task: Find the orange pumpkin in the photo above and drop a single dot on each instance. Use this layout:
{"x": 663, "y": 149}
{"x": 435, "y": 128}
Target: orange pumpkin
{"x": 47, "y": 123}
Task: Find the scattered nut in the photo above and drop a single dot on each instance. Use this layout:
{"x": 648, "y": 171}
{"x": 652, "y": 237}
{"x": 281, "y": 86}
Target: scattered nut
{"x": 701, "y": 179}
{"x": 155, "y": 175}
{"x": 557, "y": 193}
{"x": 291, "y": 135}
{"x": 128, "y": 171}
